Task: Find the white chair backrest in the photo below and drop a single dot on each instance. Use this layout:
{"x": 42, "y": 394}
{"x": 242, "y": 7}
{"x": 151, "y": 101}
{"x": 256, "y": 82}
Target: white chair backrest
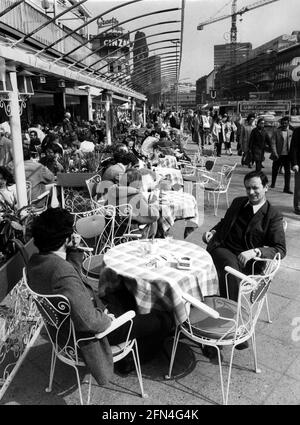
{"x": 40, "y": 204}
{"x": 28, "y": 190}
{"x": 226, "y": 176}
{"x": 76, "y": 203}
{"x": 252, "y": 294}
{"x": 122, "y": 222}
{"x": 92, "y": 184}
{"x": 55, "y": 311}
{"x": 97, "y": 224}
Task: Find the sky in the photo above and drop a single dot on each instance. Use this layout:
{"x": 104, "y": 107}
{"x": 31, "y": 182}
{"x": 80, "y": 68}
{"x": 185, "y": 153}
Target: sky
{"x": 257, "y": 26}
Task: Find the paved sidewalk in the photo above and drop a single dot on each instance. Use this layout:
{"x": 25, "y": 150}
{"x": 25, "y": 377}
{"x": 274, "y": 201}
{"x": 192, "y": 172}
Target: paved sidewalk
{"x": 197, "y": 380}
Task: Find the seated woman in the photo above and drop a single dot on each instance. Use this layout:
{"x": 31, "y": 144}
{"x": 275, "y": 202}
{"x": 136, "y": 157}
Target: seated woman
{"x": 51, "y": 160}
{"x": 145, "y": 210}
{"x": 7, "y": 190}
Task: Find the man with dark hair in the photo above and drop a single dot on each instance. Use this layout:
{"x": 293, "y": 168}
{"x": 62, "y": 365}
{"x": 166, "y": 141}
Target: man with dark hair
{"x": 281, "y": 141}
{"x": 56, "y": 269}
{"x": 251, "y": 228}
{"x": 34, "y": 141}
{"x": 258, "y": 142}
{"x": 37, "y": 174}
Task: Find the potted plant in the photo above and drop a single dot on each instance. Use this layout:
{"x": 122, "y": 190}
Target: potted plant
{"x": 16, "y": 245}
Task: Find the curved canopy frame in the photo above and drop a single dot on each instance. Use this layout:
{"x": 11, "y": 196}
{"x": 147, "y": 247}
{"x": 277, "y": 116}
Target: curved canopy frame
{"x": 87, "y": 69}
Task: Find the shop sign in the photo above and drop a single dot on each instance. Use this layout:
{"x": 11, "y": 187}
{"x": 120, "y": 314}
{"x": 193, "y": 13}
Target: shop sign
{"x": 262, "y": 106}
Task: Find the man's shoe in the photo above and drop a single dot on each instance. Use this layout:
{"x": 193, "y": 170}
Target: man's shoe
{"x": 288, "y": 191}
{"x": 297, "y": 212}
{"x": 272, "y": 186}
{"x": 242, "y": 346}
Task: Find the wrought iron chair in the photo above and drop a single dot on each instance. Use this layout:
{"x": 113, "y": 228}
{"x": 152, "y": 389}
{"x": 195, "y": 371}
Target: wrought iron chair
{"x": 122, "y": 230}
{"x": 264, "y": 265}
{"x": 219, "y": 322}
{"x": 40, "y": 204}
{"x": 91, "y": 186}
{"x": 28, "y": 190}
{"x": 96, "y": 230}
{"x": 217, "y": 183}
{"x": 56, "y": 314}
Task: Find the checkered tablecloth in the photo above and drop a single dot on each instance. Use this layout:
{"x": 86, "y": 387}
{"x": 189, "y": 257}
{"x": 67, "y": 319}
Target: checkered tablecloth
{"x": 168, "y": 161}
{"x": 161, "y": 287}
{"x": 171, "y": 174}
{"x": 177, "y": 205}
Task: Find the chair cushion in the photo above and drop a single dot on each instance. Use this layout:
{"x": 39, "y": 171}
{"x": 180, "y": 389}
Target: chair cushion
{"x": 208, "y": 327}
{"x": 92, "y": 265}
{"x": 91, "y": 226}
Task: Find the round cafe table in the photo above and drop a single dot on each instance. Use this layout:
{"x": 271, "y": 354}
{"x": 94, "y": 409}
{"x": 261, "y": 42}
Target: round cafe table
{"x": 149, "y": 271}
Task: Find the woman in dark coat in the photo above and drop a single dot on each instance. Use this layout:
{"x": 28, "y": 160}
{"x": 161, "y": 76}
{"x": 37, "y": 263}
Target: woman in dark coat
{"x": 259, "y": 140}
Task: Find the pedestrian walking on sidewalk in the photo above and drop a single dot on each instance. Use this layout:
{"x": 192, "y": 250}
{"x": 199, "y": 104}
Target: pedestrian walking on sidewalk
{"x": 280, "y": 146}
{"x": 246, "y": 130}
{"x": 258, "y": 142}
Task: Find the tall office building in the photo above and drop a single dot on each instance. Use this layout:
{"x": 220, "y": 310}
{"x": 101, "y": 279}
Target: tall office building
{"x": 140, "y": 56}
{"x": 222, "y": 53}
{"x": 113, "y": 44}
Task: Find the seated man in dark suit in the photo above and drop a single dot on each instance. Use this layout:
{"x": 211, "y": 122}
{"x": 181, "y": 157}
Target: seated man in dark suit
{"x": 251, "y": 228}
{"x": 56, "y": 269}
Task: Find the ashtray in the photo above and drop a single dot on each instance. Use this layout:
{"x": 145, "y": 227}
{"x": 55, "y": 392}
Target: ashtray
{"x": 184, "y": 263}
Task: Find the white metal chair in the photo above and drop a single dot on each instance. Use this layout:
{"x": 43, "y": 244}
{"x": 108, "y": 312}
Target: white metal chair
{"x": 56, "y": 314}
{"x": 217, "y": 183}
{"x": 40, "y": 204}
{"x": 28, "y": 190}
{"x": 220, "y": 322}
{"x": 96, "y": 230}
{"x": 96, "y": 227}
{"x": 92, "y": 185}
{"x": 122, "y": 229}
{"x": 264, "y": 265}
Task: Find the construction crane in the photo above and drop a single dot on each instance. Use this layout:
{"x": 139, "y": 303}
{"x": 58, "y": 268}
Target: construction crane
{"x": 234, "y": 14}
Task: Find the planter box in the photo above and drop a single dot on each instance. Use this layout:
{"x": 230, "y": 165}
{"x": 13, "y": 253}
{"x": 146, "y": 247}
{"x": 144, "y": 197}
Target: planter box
{"x": 73, "y": 179}
{"x": 11, "y": 272}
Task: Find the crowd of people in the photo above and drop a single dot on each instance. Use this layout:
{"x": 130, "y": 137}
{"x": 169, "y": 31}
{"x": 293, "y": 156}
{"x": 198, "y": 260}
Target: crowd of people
{"x": 253, "y": 143}
{"x": 71, "y": 147}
